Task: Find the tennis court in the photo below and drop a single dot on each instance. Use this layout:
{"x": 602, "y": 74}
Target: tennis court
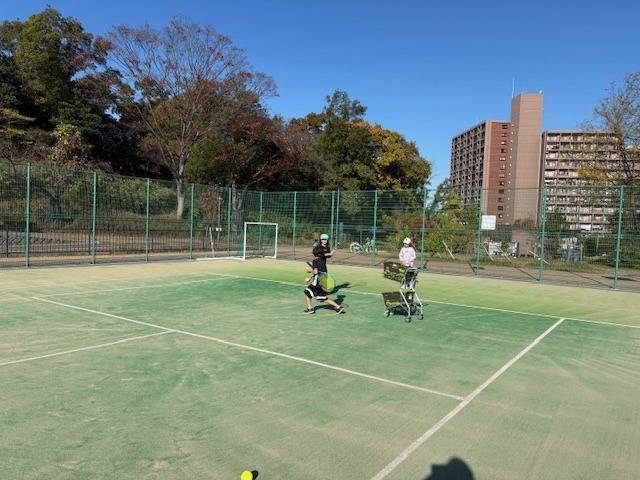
{"x": 204, "y": 369}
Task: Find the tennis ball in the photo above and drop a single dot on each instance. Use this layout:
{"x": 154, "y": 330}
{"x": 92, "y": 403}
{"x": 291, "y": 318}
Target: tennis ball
{"x": 246, "y": 475}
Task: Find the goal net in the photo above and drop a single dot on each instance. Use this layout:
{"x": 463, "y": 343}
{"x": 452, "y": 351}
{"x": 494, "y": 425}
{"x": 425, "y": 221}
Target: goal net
{"x": 260, "y": 239}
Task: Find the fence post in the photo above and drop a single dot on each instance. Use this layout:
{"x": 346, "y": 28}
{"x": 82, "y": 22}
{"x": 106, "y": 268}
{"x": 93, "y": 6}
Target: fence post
{"x": 260, "y": 226}
{"x": 191, "y": 224}
{"x": 295, "y": 211}
{"x": 93, "y": 218}
{"x": 146, "y": 222}
{"x": 333, "y": 201}
{"x": 479, "y": 233}
{"x": 27, "y": 216}
{"x": 229, "y": 224}
{"x": 335, "y": 241}
{"x": 375, "y": 223}
{"x": 424, "y": 214}
{"x": 543, "y": 233}
{"x": 618, "y": 238}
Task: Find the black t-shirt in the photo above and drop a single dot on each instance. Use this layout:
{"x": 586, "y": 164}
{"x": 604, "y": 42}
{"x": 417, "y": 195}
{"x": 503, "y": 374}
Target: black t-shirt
{"x": 320, "y": 251}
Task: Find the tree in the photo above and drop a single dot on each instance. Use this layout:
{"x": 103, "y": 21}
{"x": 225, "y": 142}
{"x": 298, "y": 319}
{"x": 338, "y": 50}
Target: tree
{"x": 54, "y": 74}
{"x": 45, "y": 64}
{"x": 450, "y": 222}
{"x": 355, "y": 155}
{"x": 70, "y": 148}
{"x": 398, "y": 164}
{"x": 256, "y": 152}
{"x": 182, "y": 82}
{"x": 618, "y": 113}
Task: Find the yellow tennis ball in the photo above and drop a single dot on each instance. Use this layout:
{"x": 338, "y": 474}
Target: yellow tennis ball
{"x": 246, "y": 475}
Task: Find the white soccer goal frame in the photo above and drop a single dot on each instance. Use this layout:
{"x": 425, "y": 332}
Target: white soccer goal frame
{"x": 244, "y": 239}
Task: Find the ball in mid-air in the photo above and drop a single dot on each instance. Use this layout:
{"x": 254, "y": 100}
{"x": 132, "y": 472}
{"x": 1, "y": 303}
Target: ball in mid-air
{"x": 246, "y": 475}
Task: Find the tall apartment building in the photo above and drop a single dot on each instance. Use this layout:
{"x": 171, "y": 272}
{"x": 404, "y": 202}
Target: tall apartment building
{"x": 502, "y": 157}
{"x": 478, "y": 159}
{"x": 564, "y": 153}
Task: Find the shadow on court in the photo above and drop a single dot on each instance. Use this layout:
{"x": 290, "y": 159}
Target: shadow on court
{"x": 456, "y": 469}
{"x": 337, "y": 288}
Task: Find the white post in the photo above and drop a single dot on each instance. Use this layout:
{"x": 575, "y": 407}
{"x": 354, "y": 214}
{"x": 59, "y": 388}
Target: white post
{"x": 244, "y": 243}
{"x": 275, "y": 251}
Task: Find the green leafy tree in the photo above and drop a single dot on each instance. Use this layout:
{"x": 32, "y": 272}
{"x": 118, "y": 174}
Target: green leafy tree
{"x": 450, "y": 222}
{"x": 53, "y": 61}
{"x": 355, "y": 155}
{"x": 54, "y": 72}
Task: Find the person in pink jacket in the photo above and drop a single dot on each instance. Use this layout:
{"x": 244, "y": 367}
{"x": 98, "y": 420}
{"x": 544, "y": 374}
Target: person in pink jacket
{"x": 407, "y": 253}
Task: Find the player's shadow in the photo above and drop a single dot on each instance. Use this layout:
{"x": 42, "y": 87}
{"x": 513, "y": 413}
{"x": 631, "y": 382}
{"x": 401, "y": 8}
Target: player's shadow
{"x": 337, "y": 288}
{"x": 324, "y": 306}
{"x": 456, "y": 469}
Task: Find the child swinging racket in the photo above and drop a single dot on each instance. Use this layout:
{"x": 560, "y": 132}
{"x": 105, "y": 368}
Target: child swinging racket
{"x": 318, "y": 285}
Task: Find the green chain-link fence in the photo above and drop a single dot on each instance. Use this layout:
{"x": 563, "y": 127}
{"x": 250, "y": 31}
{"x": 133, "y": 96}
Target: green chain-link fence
{"x": 572, "y": 235}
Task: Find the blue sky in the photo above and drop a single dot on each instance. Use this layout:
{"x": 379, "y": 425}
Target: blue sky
{"x": 428, "y": 69}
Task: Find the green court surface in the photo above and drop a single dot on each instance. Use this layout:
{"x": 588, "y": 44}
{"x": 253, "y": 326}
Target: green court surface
{"x": 200, "y": 370}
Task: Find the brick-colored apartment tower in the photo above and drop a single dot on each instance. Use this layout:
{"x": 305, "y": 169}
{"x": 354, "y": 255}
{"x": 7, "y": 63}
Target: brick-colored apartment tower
{"x": 478, "y": 159}
{"x": 501, "y": 156}
{"x": 524, "y": 158}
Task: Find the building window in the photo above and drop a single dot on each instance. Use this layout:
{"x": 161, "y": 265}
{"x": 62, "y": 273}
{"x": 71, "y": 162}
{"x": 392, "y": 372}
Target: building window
{"x": 500, "y": 207}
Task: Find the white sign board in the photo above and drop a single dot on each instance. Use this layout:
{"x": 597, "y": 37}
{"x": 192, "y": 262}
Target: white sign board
{"x": 488, "y": 222}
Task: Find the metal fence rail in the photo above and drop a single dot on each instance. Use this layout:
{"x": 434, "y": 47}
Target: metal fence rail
{"x": 586, "y": 236}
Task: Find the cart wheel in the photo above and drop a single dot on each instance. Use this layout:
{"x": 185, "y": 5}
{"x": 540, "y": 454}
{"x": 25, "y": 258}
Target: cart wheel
{"x": 422, "y": 316}
{"x": 408, "y": 319}
{"x": 387, "y": 313}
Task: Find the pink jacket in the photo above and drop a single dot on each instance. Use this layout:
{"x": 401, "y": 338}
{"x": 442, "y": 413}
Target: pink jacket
{"x": 407, "y": 256}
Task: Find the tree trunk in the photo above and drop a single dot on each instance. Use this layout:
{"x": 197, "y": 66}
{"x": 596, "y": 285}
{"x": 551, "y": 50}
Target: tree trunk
{"x": 180, "y": 193}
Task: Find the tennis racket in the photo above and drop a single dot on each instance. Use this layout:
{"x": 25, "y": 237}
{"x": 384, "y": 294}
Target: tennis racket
{"x": 326, "y": 281}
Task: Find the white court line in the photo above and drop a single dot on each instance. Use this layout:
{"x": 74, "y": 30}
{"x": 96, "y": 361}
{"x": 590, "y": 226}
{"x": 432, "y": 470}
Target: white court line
{"x": 462, "y": 305}
{"x": 443, "y": 421}
{"x": 161, "y": 285}
{"x": 494, "y": 309}
{"x": 92, "y": 347}
{"x": 35, "y": 286}
{"x": 255, "y": 349}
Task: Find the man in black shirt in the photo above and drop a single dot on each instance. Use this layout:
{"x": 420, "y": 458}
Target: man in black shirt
{"x": 322, "y": 251}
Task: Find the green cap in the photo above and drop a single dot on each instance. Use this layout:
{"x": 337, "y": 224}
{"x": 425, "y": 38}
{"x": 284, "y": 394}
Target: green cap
{"x": 324, "y": 236}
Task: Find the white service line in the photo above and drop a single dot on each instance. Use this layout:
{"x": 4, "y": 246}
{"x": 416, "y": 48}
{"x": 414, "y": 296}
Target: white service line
{"x": 466, "y": 401}
{"x": 92, "y": 347}
{"x": 462, "y": 305}
{"x": 161, "y": 285}
{"x": 256, "y": 349}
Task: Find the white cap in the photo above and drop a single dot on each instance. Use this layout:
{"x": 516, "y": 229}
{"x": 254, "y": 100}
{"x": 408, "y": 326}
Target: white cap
{"x": 406, "y": 241}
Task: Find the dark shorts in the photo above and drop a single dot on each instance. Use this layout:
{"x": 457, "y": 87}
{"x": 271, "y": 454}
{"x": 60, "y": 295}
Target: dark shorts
{"x": 316, "y": 292}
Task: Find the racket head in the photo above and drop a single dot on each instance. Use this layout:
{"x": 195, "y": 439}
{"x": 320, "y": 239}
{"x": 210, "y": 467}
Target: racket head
{"x": 327, "y": 282}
